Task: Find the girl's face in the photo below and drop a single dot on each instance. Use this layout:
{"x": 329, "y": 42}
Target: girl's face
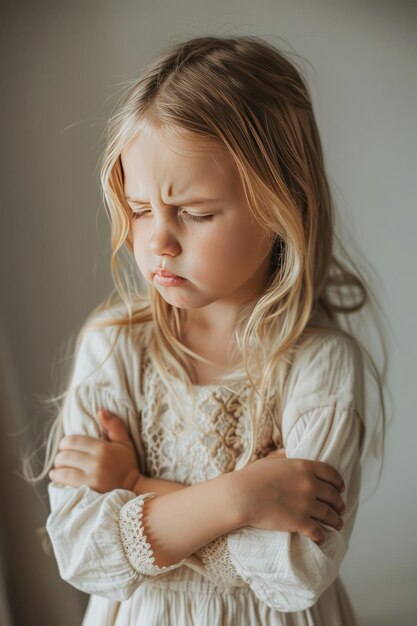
{"x": 190, "y": 210}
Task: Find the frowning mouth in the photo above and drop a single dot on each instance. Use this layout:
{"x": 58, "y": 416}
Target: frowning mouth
{"x": 163, "y": 272}
{"x": 168, "y": 279}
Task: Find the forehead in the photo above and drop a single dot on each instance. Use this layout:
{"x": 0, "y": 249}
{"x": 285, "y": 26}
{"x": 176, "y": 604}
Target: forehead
{"x": 177, "y": 159}
{"x": 179, "y": 140}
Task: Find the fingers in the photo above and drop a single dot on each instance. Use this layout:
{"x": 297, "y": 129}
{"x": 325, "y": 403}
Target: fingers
{"x": 330, "y": 496}
{"x": 114, "y": 430}
{"x": 114, "y": 426}
{"x": 73, "y": 459}
{"x": 327, "y": 515}
{"x": 313, "y": 530}
{"x": 323, "y": 514}
{"x": 68, "y": 476}
{"x": 326, "y": 472}
{"x": 83, "y": 443}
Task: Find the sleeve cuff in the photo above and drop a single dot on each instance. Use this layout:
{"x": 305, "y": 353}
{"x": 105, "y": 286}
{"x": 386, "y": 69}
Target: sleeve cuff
{"x": 136, "y": 546}
{"x": 219, "y": 567}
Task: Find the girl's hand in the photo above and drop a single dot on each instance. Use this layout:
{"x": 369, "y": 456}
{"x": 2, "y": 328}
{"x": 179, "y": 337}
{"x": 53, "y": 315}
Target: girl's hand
{"x": 100, "y": 464}
{"x": 291, "y": 495}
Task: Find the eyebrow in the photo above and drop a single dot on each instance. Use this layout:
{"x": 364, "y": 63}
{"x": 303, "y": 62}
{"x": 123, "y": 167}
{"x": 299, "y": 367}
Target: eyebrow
{"x": 193, "y": 201}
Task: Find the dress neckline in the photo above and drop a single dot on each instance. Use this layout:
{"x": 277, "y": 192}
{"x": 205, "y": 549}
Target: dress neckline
{"x": 223, "y": 384}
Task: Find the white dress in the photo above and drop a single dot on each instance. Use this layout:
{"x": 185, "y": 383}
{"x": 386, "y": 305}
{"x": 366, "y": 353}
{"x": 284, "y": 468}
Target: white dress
{"x": 246, "y": 577}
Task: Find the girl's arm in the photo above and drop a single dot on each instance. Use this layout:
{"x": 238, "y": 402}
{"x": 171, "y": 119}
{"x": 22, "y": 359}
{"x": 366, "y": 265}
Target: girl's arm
{"x": 110, "y": 464}
{"x": 97, "y": 538}
{"x": 160, "y": 486}
{"x": 179, "y": 523}
{"x": 109, "y": 528}
{"x": 322, "y": 420}
{"x": 270, "y": 494}
{"x": 105, "y": 464}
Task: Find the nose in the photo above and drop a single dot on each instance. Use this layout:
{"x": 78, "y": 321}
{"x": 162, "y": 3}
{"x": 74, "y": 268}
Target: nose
{"x": 163, "y": 240}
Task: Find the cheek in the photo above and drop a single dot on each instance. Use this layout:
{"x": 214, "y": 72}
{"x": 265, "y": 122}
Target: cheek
{"x": 231, "y": 249}
{"x": 139, "y": 248}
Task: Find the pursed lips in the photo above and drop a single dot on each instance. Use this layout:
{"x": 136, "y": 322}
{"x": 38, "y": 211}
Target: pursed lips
{"x": 163, "y": 272}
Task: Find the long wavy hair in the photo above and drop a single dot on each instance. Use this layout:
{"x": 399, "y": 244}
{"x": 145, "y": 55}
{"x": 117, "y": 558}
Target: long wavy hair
{"x": 245, "y": 95}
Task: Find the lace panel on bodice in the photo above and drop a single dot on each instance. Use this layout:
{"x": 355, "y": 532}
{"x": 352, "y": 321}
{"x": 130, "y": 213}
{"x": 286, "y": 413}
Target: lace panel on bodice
{"x": 173, "y": 452}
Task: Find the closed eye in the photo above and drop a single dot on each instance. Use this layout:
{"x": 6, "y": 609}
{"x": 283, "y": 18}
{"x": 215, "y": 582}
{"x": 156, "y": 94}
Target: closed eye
{"x": 195, "y": 218}
{"x": 200, "y": 218}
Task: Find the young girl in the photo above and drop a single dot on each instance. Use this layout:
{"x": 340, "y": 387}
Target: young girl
{"x": 208, "y": 451}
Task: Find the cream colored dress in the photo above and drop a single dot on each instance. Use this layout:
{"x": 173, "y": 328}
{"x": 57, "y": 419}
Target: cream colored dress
{"x": 246, "y": 577}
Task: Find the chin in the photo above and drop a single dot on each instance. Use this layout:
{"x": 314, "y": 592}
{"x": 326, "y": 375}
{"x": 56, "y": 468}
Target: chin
{"x": 182, "y": 300}
{"x": 171, "y": 296}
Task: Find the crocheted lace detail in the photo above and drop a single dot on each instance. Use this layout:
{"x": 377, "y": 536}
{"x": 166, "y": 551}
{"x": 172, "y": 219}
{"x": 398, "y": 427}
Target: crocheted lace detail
{"x": 193, "y": 455}
{"x": 138, "y": 549}
{"x": 219, "y": 567}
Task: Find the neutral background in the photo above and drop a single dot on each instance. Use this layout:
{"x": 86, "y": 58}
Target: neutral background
{"x": 63, "y": 63}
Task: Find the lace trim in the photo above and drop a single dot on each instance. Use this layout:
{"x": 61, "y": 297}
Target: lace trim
{"x": 220, "y": 416}
{"x": 219, "y": 567}
{"x": 137, "y": 548}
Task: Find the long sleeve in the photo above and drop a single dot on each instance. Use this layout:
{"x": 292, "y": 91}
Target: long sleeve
{"x": 98, "y": 539}
{"x": 322, "y": 421}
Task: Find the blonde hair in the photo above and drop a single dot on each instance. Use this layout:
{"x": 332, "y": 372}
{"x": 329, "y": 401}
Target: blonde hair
{"x": 244, "y": 94}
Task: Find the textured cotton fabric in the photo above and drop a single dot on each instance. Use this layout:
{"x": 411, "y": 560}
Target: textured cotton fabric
{"x": 248, "y": 576}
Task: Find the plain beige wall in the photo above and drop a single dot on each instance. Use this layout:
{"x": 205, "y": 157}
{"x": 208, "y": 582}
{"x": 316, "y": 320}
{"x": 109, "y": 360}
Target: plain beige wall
{"x": 62, "y": 64}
